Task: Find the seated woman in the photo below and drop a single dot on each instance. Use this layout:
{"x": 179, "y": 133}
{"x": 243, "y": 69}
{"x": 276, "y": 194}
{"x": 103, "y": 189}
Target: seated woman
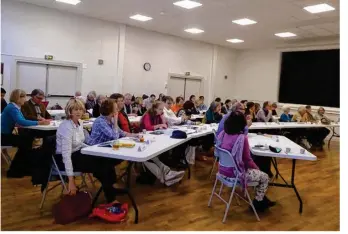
{"x": 321, "y": 117}
{"x": 265, "y": 114}
{"x": 257, "y": 108}
{"x": 232, "y": 138}
{"x": 250, "y": 111}
{"x": 322, "y": 133}
{"x": 187, "y": 109}
{"x": 237, "y": 107}
{"x": 152, "y": 120}
{"x": 227, "y": 107}
{"x": 274, "y": 109}
{"x": 315, "y": 136}
{"x": 213, "y": 115}
{"x": 105, "y": 127}
{"x": 286, "y": 116}
{"x": 70, "y": 139}
{"x": 195, "y": 110}
{"x": 96, "y": 108}
{"x": 201, "y": 105}
{"x": 138, "y": 106}
{"x": 179, "y": 102}
{"x": 11, "y": 117}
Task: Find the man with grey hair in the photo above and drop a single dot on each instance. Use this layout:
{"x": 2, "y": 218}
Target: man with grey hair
{"x": 34, "y": 109}
{"x": 128, "y": 104}
{"x": 90, "y": 101}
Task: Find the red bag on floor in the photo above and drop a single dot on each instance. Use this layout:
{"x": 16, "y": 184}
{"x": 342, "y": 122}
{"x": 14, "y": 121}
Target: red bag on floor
{"x": 71, "y": 208}
{"x": 114, "y": 212}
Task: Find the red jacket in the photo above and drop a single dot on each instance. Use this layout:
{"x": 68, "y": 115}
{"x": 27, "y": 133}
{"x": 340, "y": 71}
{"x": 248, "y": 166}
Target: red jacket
{"x": 148, "y": 122}
{"x": 123, "y": 121}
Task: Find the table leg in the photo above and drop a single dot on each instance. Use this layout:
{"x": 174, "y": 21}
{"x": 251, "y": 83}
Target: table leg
{"x": 275, "y": 165}
{"x": 292, "y": 185}
{"x": 334, "y": 134}
{"x": 121, "y": 191}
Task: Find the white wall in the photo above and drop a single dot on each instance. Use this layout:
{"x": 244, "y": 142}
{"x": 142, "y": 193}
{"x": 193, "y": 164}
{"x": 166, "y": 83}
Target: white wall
{"x": 169, "y": 54}
{"x": 257, "y": 75}
{"x": 226, "y": 65}
{"x": 32, "y": 31}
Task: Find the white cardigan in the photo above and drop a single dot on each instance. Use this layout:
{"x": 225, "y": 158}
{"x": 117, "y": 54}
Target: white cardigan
{"x": 70, "y": 138}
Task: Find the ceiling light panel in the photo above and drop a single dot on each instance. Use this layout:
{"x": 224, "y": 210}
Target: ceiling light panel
{"x": 285, "y": 34}
{"x": 139, "y": 17}
{"x": 319, "y": 8}
{"x": 187, "y": 4}
{"x": 194, "y": 30}
{"x": 72, "y": 2}
{"x": 235, "y": 40}
{"x": 244, "y": 21}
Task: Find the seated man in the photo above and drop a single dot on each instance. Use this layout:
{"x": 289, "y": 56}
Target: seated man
{"x": 128, "y": 108}
{"x": 34, "y": 109}
{"x": 123, "y": 120}
{"x": 169, "y": 115}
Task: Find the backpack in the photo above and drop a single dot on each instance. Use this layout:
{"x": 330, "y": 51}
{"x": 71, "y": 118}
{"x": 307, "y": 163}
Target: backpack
{"x": 114, "y": 212}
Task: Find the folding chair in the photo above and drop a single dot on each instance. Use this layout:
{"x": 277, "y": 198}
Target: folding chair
{"x": 226, "y": 159}
{"x": 50, "y": 146}
{"x": 56, "y": 172}
{"x": 5, "y": 155}
{"x": 215, "y": 155}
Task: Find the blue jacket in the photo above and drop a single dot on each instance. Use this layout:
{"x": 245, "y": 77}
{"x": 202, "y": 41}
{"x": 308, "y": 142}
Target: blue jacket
{"x": 285, "y": 118}
{"x": 11, "y": 116}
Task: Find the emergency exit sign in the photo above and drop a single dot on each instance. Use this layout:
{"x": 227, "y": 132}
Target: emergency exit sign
{"x": 49, "y": 57}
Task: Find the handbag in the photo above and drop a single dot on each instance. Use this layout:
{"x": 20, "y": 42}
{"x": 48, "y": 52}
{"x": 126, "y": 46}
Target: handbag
{"x": 71, "y": 208}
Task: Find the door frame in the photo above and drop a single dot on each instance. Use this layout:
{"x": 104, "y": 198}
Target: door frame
{"x": 183, "y": 76}
{"x": 18, "y": 59}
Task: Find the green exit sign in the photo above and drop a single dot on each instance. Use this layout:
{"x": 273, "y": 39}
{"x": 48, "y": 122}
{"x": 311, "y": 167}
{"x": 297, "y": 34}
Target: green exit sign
{"x": 49, "y": 57}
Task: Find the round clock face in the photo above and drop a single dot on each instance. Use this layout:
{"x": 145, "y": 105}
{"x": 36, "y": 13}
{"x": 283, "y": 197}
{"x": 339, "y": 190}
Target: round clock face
{"x": 147, "y": 66}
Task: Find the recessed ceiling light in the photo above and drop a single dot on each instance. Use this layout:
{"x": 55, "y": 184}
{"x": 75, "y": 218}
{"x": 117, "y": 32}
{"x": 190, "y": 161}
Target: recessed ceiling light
{"x": 188, "y": 4}
{"x": 285, "y": 34}
{"x": 319, "y": 8}
{"x": 244, "y": 21}
{"x": 194, "y": 30}
{"x": 140, "y": 17}
{"x": 72, "y": 2}
{"x": 235, "y": 40}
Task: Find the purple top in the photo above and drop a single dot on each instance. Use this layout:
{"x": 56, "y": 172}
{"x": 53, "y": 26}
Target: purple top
{"x": 227, "y": 143}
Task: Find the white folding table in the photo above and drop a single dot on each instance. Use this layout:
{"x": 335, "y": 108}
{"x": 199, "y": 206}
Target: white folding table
{"x": 158, "y": 144}
{"x": 282, "y": 143}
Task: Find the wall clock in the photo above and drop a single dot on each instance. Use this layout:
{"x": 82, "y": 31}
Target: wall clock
{"x": 147, "y": 66}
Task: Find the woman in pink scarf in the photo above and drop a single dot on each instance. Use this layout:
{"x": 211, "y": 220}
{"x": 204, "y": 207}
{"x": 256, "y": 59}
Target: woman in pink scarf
{"x": 235, "y": 141}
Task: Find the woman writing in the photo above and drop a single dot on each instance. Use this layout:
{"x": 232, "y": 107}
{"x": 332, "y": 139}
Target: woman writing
{"x": 153, "y": 119}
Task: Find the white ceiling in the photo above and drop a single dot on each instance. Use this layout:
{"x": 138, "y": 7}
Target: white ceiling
{"x": 215, "y": 18}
